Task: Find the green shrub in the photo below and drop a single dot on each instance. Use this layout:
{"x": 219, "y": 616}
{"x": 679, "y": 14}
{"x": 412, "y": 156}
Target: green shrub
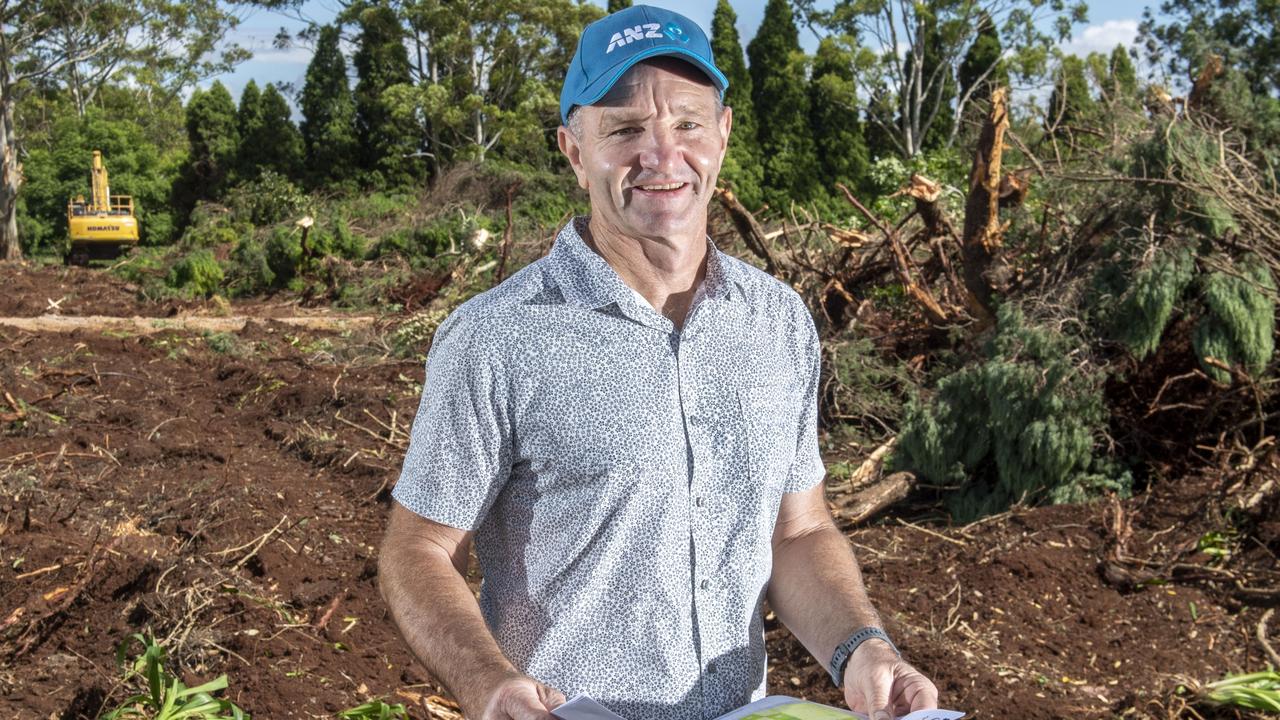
{"x": 1238, "y": 325}
{"x": 1018, "y": 427}
{"x": 267, "y": 200}
{"x": 197, "y": 273}
{"x": 344, "y": 243}
{"x": 1148, "y": 303}
{"x": 284, "y": 254}
{"x": 249, "y": 271}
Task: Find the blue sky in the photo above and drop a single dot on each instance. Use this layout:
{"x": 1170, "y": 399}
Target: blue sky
{"x": 1110, "y": 23}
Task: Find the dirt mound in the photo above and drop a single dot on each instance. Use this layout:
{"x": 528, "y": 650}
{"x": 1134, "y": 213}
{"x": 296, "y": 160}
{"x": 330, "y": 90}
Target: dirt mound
{"x": 229, "y": 498}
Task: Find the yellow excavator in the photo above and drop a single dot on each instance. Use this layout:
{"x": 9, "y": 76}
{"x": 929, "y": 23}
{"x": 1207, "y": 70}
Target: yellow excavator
{"x": 101, "y": 228}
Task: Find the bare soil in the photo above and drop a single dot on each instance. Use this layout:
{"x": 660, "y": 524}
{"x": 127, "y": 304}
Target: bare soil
{"x": 229, "y": 497}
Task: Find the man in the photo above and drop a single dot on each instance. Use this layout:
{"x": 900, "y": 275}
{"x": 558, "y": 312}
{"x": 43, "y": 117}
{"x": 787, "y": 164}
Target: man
{"x": 627, "y": 429}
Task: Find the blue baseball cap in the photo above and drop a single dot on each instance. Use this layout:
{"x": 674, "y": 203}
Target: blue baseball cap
{"x": 611, "y": 45}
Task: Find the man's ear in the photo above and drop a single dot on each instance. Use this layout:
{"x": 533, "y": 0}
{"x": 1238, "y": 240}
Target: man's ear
{"x": 726, "y": 124}
{"x": 573, "y": 151}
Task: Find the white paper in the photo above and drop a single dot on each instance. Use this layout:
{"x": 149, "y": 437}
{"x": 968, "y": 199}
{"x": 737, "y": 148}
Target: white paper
{"x": 583, "y": 707}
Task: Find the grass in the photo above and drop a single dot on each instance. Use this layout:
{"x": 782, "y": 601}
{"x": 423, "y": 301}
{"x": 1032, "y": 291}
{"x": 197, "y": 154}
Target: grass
{"x": 375, "y": 710}
{"x": 1251, "y": 691}
{"x": 164, "y": 696}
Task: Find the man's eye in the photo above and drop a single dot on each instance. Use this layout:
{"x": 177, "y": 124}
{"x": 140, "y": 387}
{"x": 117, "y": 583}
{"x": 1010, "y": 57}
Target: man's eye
{"x": 625, "y": 131}
{"x": 688, "y": 125}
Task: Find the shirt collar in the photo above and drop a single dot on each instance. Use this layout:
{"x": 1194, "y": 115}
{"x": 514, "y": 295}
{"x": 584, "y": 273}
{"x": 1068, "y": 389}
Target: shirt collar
{"x": 588, "y": 279}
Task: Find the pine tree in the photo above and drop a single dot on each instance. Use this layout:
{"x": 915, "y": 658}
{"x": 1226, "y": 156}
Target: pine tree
{"x": 1070, "y": 102}
{"x": 213, "y": 132}
{"x": 741, "y": 168}
{"x": 1121, "y": 76}
{"x": 278, "y": 143}
{"x": 880, "y": 140}
{"x": 777, "y": 67}
{"x": 833, "y": 117}
{"x": 983, "y": 54}
{"x": 328, "y": 112}
{"x": 382, "y": 62}
{"x": 249, "y": 124}
{"x": 616, "y": 5}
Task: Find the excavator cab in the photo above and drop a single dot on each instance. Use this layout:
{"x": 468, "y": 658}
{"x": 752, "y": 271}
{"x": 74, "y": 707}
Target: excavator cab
{"x": 103, "y": 226}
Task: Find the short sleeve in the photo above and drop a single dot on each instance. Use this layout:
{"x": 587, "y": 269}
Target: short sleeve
{"x": 807, "y": 469}
{"x": 459, "y": 455}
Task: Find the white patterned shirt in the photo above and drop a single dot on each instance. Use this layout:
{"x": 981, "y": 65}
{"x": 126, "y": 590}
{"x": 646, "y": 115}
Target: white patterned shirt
{"x": 622, "y": 477}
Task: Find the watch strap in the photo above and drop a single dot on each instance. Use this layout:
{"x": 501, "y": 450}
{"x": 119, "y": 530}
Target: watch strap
{"x": 844, "y": 651}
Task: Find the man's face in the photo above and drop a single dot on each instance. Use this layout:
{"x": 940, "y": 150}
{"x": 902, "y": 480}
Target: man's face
{"x": 649, "y": 152}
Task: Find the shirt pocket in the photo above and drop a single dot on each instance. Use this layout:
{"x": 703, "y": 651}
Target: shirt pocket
{"x": 770, "y": 416}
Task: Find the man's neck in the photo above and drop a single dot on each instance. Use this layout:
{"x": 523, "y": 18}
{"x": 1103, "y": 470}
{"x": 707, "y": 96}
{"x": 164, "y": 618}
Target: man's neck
{"x": 666, "y": 271}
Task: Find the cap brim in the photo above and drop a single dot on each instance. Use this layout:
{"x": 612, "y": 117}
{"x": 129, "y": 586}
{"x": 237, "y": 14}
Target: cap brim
{"x": 598, "y": 89}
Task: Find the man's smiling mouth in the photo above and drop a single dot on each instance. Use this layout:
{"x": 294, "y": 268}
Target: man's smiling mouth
{"x": 662, "y": 187}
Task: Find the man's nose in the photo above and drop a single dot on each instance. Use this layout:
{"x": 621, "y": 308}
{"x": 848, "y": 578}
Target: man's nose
{"x": 661, "y": 151}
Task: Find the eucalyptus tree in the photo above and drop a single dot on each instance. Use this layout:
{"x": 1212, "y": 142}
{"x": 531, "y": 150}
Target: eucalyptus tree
{"x": 910, "y": 52}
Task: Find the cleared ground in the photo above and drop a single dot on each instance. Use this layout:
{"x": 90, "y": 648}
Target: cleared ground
{"x": 226, "y": 491}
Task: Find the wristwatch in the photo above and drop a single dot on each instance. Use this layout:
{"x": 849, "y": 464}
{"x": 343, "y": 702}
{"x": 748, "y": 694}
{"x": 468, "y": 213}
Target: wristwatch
{"x": 844, "y": 651}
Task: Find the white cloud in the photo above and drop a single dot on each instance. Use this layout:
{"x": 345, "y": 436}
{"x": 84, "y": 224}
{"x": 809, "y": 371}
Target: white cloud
{"x": 1102, "y": 38}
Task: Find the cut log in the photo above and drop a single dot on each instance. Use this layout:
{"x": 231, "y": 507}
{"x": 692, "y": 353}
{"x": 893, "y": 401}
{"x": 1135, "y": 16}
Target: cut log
{"x": 874, "y": 500}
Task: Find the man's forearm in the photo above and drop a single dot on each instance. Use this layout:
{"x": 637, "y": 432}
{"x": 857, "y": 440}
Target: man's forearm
{"x": 817, "y": 590}
{"x": 441, "y": 621}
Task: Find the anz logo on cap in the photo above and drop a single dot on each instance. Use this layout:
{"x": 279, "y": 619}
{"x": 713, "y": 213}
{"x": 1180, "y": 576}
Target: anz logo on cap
{"x": 632, "y": 34}
{"x": 645, "y": 32}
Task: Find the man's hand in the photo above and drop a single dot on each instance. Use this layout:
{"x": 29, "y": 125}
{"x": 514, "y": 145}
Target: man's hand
{"x": 882, "y": 685}
{"x": 522, "y": 698}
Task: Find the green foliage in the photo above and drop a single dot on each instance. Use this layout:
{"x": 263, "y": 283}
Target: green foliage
{"x": 1251, "y": 691}
{"x": 911, "y": 51}
{"x": 197, "y": 273}
{"x": 430, "y": 239}
{"x": 342, "y": 242}
{"x": 1179, "y": 151}
{"x": 867, "y": 387}
{"x": 1147, "y": 304}
{"x": 283, "y": 251}
{"x": 164, "y": 695}
{"x": 222, "y": 343}
{"x": 983, "y": 58}
{"x": 777, "y": 68}
{"x": 276, "y": 143}
{"x": 742, "y": 169}
{"x": 833, "y": 104}
{"x": 1182, "y": 33}
{"x": 249, "y": 122}
{"x": 1121, "y": 75}
{"x": 1019, "y": 427}
{"x": 213, "y": 131}
{"x": 250, "y": 270}
{"x": 616, "y": 5}
{"x": 377, "y": 709}
{"x": 268, "y": 199}
{"x": 381, "y": 62}
{"x": 1238, "y": 326}
{"x": 328, "y": 112}
{"x": 1070, "y": 103}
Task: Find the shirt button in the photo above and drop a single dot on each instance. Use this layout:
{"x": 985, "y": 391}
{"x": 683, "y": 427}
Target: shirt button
{"x": 705, "y": 584}
{"x": 699, "y": 501}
